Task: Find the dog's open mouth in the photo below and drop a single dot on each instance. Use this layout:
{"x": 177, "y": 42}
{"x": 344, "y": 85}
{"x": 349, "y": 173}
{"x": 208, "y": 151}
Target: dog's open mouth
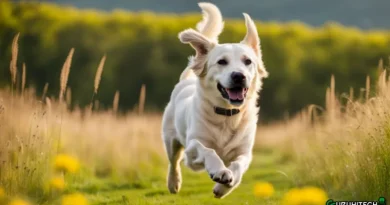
{"x": 235, "y": 95}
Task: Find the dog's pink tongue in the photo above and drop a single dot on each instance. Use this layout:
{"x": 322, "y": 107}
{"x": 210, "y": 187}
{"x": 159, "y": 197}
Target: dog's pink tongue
{"x": 235, "y": 94}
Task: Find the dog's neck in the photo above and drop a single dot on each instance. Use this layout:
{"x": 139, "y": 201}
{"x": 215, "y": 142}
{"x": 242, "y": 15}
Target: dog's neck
{"x": 220, "y": 111}
{"x": 226, "y": 112}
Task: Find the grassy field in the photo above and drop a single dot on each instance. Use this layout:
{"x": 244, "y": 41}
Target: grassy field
{"x": 121, "y": 160}
{"x": 51, "y": 154}
{"x": 197, "y": 187}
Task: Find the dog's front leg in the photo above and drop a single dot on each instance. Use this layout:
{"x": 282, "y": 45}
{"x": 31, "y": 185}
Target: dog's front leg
{"x": 198, "y": 157}
{"x": 239, "y": 166}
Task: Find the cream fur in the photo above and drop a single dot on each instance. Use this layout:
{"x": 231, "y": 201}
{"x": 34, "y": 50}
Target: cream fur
{"x": 219, "y": 144}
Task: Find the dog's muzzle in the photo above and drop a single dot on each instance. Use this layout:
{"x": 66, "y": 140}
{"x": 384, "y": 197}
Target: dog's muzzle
{"x": 237, "y": 90}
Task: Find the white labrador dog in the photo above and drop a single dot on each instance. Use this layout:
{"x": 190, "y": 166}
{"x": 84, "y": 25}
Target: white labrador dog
{"x": 212, "y": 113}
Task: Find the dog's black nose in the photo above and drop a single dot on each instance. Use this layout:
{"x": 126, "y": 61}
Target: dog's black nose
{"x": 237, "y": 77}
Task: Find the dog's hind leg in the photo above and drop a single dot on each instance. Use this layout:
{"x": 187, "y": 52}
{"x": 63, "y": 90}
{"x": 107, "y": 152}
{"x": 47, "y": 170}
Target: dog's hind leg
{"x": 175, "y": 154}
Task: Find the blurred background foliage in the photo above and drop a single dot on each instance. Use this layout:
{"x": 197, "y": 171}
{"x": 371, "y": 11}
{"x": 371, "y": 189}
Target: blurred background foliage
{"x": 360, "y": 13}
{"x": 142, "y": 48}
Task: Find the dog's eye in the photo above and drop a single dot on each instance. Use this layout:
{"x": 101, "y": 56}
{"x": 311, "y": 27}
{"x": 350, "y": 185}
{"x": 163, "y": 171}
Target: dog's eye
{"x": 247, "y": 62}
{"x": 222, "y": 62}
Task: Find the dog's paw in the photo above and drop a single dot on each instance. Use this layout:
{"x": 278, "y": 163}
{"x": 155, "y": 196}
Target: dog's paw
{"x": 174, "y": 186}
{"x": 224, "y": 176}
{"x": 174, "y": 182}
{"x": 221, "y": 190}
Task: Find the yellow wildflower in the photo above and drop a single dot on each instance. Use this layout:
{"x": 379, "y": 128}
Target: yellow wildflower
{"x": 74, "y": 199}
{"x": 264, "y": 190}
{"x": 57, "y": 183}
{"x": 18, "y": 202}
{"x": 66, "y": 163}
{"x": 314, "y": 195}
{"x": 305, "y": 196}
{"x": 292, "y": 197}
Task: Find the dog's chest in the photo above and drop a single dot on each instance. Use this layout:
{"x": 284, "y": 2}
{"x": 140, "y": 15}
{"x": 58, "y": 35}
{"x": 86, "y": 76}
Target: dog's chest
{"x": 225, "y": 140}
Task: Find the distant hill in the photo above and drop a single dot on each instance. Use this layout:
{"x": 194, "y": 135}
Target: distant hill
{"x": 366, "y": 14}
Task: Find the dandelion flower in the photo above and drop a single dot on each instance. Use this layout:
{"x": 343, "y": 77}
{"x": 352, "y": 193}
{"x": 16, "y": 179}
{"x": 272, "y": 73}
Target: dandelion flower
{"x": 66, "y": 163}
{"x": 264, "y": 190}
{"x": 74, "y": 199}
{"x": 18, "y": 202}
{"x": 292, "y": 197}
{"x": 57, "y": 183}
{"x": 314, "y": 195}
{"x": 305, "y": 196}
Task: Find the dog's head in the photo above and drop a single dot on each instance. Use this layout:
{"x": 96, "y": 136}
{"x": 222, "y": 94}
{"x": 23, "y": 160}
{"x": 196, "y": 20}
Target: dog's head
{"x": 230, "y": 74}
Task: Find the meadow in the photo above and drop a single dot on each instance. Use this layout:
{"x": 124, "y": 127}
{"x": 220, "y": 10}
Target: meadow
{"x": 54, "y": 155}
{"x": 55, "y": 151}
{"x": 51, "y": 154}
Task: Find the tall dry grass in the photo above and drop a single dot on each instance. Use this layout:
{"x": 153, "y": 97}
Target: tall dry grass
{"x": 65, "y": 74}
{"x": 115, "y": 102}
{"x": 23, "y": 78}
{"x": 26, "y": 142}
{"x": 35, "y": 130}
{"x": 141, "y": 102}
{"x": 345, "y": 148}
{"x": 14, "y": 59}
{"x": 44, "y": 92}
{"x": 98, "y": 75}
{"x": 106, "y": 144}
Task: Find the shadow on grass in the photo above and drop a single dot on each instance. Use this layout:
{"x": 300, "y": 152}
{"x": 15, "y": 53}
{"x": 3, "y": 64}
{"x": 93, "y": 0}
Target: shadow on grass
{"x": 157, "y": 193}
{"x": 92, "y": 189}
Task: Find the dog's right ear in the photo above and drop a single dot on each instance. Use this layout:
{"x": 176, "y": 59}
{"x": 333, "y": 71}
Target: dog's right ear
{"x": 202, "y": 46}
{"x": 199, "y": 42}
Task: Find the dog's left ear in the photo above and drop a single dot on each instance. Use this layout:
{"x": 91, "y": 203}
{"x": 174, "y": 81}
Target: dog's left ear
{"x": 252, "y": 40}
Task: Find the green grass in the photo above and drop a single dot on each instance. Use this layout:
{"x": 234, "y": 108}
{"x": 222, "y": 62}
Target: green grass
{"x": 197, "y": 187}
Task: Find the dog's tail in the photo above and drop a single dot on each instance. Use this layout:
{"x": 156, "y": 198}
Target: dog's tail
{"x": 212, "y": 23}
{"x": 211, "y": 26}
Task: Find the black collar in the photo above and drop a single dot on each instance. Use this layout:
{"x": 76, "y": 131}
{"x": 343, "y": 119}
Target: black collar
{"x": 226, "y": 112}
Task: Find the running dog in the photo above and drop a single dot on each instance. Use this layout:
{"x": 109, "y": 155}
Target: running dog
{"x": 212, "y": 114}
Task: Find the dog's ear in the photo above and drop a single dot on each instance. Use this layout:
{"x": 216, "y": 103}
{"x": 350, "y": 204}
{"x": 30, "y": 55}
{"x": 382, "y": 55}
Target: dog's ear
{"x": 202, "y": 46}
{"x": 252, "y": 40}
{"x": 199, "y": 42}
